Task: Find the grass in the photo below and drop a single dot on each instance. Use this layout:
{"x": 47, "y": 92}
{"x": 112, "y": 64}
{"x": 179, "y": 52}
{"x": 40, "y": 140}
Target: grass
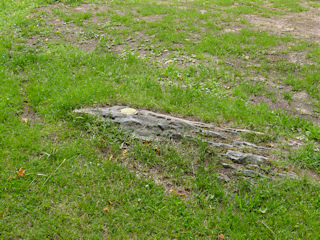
{"x": 87, "y": 179}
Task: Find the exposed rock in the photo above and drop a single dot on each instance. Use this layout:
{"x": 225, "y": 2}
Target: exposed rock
{"x": 247, "y": 144}
{"x": 239, "y": 131}
{"x": 250, "y": 173}
{"x": 150, "y": 125}
{"x": 212, "y": 134}
{"x": 243, "y": 158}
{"x": 289, "y": 174}
{"x": 226, "y": 165}
{"x": 215, "y": 144}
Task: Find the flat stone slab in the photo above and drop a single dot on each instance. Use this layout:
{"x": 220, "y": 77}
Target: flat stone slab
{"x": 243, "y": 158}
{"x": 148, "y": 125}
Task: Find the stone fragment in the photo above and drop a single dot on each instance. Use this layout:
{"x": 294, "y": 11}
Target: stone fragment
{"x": 250, "y": 173}
{"x": 240, "y": 144}
{"x": 215, "y": 144}
{"x": 212, "y": 134}
{"x": 243, "y": 158}
{"x": 287, "y": 174}
{"x": 226, "y": 165}
{"x": 239, "y": 131}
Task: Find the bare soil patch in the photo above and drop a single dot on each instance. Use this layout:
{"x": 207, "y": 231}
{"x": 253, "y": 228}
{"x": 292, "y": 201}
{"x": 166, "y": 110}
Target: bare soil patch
{"x": 303, "y": 25}
{"x": 295, "y": 107}
{"x": 141, "y": 44}
{"x": 29, "y": 115}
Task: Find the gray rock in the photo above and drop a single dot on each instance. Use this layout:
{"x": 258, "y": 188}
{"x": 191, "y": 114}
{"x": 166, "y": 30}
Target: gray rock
{"x": 226, "y": 165}
{"x": 212, "y": 134}
{"x": 148, "y": 125}
{"x": 289, "y": 174}
{"x": 215, "y": 144}
{"x": 240, "y": 144}
{"x": 243, "y": 158}
{"x": 239, "y": 131}
{"x": 250, "y": 173}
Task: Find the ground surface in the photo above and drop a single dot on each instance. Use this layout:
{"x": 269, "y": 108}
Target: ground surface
{"x": 248, "y": 65}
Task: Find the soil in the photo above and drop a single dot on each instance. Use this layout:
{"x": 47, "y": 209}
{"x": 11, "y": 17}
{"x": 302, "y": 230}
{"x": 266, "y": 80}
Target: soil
{"x": 29, "y": 115}
{"x": 303, "y": 25}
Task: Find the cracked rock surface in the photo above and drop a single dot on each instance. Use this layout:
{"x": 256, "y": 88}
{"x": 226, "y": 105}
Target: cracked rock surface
{"x": 242, "y": 158}
{"x": 148, "y": 125}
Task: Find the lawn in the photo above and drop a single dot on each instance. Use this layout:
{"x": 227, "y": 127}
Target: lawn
{"x": 252, "y": 65}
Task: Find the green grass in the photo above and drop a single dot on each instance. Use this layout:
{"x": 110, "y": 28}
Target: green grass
{"x": 70, "y": 175}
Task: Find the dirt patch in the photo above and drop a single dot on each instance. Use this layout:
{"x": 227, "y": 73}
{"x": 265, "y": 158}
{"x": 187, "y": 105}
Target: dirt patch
{"x": 29, "y": 115}
{"x": 231, "y": 27}
{"x": 297, "y": 57}
{"x": 83, "y": 37}
{"x": 302, "y": 25}
{"x": 299, "y": 105}
{"x": 84, "y": 8}
{"x": 79, "y": 36}
{"x": 73, "y": 34}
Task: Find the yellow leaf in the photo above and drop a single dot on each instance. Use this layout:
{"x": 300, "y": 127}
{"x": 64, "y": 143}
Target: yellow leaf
{"x": 111, "y": 158}
{"x": 174, "y": 192}
{"x": 111, "y": 203}
{"x": 21, "y": 172}
{"x": 26, "y": 120}
{"x": 46, "y": 40}
{"x": 270, "y": 145}
{"x": 181, "y": 77}
{"x": 102, "y": 140}
{"x": 106, "y": 209}
{"x": 169, "y": 61}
